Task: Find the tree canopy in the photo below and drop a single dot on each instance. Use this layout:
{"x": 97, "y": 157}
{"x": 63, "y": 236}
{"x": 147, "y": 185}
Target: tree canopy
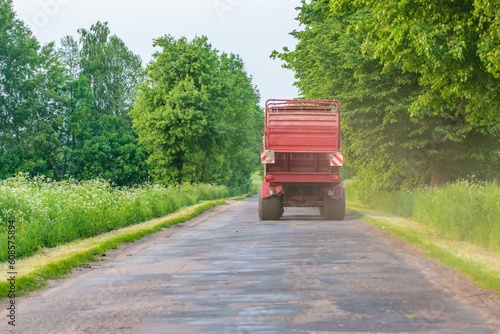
{"x": 197, "y": 114}
{"x": 386, "y": 142}
{"x": 453, "y": 46}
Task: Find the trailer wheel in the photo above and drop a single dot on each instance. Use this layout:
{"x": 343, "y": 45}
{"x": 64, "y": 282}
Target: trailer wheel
{"x": 334, "y": 209}
{"x": 270, "y": 208}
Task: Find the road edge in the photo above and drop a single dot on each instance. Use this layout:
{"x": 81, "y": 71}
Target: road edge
{"x": 447, "y": 250}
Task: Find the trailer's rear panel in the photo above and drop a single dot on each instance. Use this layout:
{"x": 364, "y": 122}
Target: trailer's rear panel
{"x": 302, "y": 128}
{"x": 301, "y": 135}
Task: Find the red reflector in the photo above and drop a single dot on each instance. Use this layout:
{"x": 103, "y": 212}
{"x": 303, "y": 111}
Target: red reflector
{"x": 269, "y": 177}
{"x": 336, "y": 177}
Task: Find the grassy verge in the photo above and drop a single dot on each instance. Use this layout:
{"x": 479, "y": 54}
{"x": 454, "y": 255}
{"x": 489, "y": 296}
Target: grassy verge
{"x": 33, "y": 272}
{"x": 480, "y": 264}
{"x": 257, "y": 178}
{"x": 48, "y": 214}
{"x": 464, "y": 210}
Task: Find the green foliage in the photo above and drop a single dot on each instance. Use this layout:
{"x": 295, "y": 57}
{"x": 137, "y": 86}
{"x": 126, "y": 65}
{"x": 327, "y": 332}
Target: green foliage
{"x": 50, "y": 213}
{"x": 257, "y": 178}
{"x": 453, "y": 46}
{"x": 105, "y": 73}
{"x": 465, "y": 210}
{"x": 197, "y": 114}
{"x": 387, "y": 146}
{"x": 66, "y": 112}
{"x": 468, "y": 211}
{"x": 18, "y": 59}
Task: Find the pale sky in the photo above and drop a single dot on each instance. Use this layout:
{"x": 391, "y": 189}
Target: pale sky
{"x": 250, "y": 28}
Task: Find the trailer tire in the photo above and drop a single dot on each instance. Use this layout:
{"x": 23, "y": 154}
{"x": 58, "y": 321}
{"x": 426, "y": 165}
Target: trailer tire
{"x": 270, "y": 208}
{"x": 334, "y": 209}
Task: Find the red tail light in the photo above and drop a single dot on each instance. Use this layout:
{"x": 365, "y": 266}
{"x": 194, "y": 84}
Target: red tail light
{"x": 269, "y": 177}
{"x": 336, "y": 178}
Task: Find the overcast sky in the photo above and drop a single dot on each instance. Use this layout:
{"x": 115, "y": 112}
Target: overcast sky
{"x": 250, "y": 28}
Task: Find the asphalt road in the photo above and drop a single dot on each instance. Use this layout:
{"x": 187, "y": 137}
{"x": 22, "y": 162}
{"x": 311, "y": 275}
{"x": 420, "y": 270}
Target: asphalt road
{"x": 228, "y": 272}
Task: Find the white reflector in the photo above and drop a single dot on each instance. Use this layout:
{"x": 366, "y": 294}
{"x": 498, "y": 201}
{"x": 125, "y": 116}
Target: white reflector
{"x": 267, "y": 157}
{"x": 336, "y": 159}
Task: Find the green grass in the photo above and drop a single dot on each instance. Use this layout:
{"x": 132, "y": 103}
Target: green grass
{"x": 464, "y": 210}
{"x": 467, "y": 211}
{"x": 33, "y": 272}
{"x": 49, "y": 213}
{"x": 256, "y": 180}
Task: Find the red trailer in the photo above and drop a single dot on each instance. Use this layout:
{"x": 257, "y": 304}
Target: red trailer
{"x": 302, "y": 157}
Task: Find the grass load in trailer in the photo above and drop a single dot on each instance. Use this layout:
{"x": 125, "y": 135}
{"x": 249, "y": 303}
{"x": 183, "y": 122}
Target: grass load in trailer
{"x": 302, "y": 156}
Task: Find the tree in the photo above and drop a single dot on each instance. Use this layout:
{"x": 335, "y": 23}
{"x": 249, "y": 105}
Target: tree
{"x": 99, "y": 126}
{"x": 387, "y": 147}
{"x": 112, "y": 69}
{"x": 78, "y": 100}
{"x": 453, "y": 46}
{"x": 41, "y": 135}
{"x": 18, "y": 61}
{"x": 197, "y": 115}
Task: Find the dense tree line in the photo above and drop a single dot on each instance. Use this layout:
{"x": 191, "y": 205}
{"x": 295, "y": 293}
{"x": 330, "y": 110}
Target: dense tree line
{"x": 66, "y": 111}
{"x": 420, "y": 102}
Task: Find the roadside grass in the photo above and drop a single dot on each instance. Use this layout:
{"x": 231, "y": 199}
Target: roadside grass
{"x": 470, "y": 212}
{"x": 33, "y": 272}
{"x": 48, "y": 213}
{"x": 256, "y": 181}
{"x": 465, "y": 210}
